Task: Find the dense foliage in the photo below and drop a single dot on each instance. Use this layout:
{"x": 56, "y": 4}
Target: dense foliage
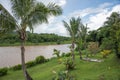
{"x": 108, "y": 35}
{"x": 3, "y": 71}
{"x": 33, "y": 38}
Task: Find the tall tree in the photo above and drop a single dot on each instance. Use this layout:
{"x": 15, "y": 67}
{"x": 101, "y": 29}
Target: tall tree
{"x": 82, "y": 35}
{"x": 72, "y": 27}
{"x": 27, "y": 13}
{"x": 113, "y": 22}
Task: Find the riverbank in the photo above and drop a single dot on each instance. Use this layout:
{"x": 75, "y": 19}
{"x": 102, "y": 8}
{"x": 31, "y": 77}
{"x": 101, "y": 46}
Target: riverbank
{"x": 35, "y": 44}
{"x": 107, "y": 70}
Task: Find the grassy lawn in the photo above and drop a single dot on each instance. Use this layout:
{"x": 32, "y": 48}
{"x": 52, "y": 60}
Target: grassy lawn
{"x": 109, "y": 69}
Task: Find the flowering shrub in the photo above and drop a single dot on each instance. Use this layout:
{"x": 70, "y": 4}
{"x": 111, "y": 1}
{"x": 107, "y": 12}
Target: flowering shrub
{"x": 105, "y": 53}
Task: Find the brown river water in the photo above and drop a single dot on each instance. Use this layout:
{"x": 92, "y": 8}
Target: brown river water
{"x": 10, "y": 56}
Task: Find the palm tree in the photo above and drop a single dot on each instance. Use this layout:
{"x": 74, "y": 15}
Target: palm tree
{"x": 72, "y": 27}
{"x": 81, "y": 42}
{"x": 27, "y": 13}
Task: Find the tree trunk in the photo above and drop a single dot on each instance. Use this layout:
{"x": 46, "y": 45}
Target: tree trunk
{"x": 23, "y": 38}
{"x": 80, "y": 53}
{"x": 73, "y": 55}
{"x": 116, "y": 49}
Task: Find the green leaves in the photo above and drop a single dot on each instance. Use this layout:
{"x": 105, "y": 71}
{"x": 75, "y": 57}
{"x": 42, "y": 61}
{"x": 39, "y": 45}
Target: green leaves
{"x": 72, "y": 26}
{"x": 7, "y": 21}
{"x": 29, "y": 13}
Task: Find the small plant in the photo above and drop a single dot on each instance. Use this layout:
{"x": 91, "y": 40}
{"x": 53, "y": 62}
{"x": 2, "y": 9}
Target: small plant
{"x": 3, "y": 71}
{"x": 30, "y": 64}
{"x": 56, "y": 52}
{"x": 16, "y": 67}
{"x": 63, "y": 54}
{"x": 105, "y": 53}
{"x": 69, "y": 64}
{"x": 63, "y": 75}
{"x": 68, "y": 54}
{"x": 40, "y": 59}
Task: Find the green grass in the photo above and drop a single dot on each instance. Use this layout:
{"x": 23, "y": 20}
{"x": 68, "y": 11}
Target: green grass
{"x": 109, "y": 69}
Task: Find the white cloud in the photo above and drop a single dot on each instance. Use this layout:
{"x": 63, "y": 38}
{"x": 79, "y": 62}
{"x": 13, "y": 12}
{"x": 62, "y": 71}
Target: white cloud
{"x": 61, "y": 2}
{"x": 54, "y": 26}
{"x": 87, "y": 11}
{"x": 97, "y": 20}
{"x": 96, "y": 16}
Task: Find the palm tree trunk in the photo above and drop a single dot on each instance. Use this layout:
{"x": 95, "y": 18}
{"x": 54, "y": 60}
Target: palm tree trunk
{"x": 73, "y": 55}
{"x": 22, "y": 37}
{"x": 80, "y": 53}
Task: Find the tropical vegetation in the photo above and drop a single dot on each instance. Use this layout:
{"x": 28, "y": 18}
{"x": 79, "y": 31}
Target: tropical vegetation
{"x": 94, "y": 55}
{"x": 26, "y": 14}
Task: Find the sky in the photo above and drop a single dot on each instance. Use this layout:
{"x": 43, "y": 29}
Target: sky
{"x": 92, "y": 12}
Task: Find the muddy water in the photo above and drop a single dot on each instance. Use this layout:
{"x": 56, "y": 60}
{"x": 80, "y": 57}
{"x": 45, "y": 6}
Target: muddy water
{"x": 10, "y": 56}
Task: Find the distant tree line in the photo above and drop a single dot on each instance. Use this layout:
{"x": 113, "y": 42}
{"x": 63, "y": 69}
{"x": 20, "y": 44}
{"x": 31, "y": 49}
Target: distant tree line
{"x": 33, "y": 38}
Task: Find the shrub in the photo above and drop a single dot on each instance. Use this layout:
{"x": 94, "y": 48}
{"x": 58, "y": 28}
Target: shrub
{"x": 107, "y": 44}
{"x": 56, "y": 52}
{"x": 30, "y": 64}
{"x": 68, "y": 54}
{"x": 3, "y": 71}
{"x": 93, "y": 48}
{"x": 40, "y": 59}
{"x": 63, "y": 54}
{"x": 105, "y": 53}
{"x": 69, "y": 64}
{"x": 16, "y": 67}
{"x": 86, "y": 52}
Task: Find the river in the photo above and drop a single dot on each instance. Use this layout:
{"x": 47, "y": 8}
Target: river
{"x": 10, "y": 56}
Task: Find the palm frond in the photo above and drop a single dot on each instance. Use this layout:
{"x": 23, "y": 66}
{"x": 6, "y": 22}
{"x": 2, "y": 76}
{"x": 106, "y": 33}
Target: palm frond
{"x": 7, "y": 21}
{"x": 20, "y": 8}
{"x": 54, "y": 9}
{"x": 68, "y": 28}
{"x": 40, "y": 13}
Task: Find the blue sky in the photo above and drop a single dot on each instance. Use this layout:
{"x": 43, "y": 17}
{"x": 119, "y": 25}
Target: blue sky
{"x": 92, "y": 12}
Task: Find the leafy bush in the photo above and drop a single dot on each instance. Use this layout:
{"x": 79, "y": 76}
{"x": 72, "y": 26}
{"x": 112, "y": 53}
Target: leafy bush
{"x": 69, "y": 64}
{"x": 63, "y": 54}
{"x": 30, "y": 64}
{"x": 16, "y": 67}
{"x": 68, "y": 54}
{"x": 3, "y": 71}
{"x": 63, "y": 75}
{"x": 56, "y": 52}
{"x": 107, "y": 44}
{"x": 40, "y": 59}
{"x": 105, "y": 53}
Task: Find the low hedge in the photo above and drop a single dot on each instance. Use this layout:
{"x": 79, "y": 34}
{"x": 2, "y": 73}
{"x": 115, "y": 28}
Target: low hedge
{"x": 40, "y": 59}
{"x": 16, "y": 67}
{"x": 3, "y": 71}
{"x": 30, "y": 64}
